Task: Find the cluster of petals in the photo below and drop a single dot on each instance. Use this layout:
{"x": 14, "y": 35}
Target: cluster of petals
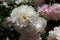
{"x": 54, "y": 34}
{"x": 50, "y": 12}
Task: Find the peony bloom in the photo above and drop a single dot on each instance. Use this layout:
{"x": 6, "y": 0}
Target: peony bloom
{"x": 27, "y": 22}
{"x": 55, "y": 12}
{"x": 26, "y": 15}
{"x": 20, "y": 1}
{"x": 51, "y": 12}
{"x": 55, "y": 34}
{"x": 22, "y": 14}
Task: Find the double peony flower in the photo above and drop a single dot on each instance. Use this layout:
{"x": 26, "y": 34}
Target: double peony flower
{"x": 51, "y": 12}
{"x": 54, "y": 34}
{"x": 27, "y": 22}
{"x": 25, "y": 16}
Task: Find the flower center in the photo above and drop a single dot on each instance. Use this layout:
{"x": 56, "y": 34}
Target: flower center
{"x": 24, "y": 18}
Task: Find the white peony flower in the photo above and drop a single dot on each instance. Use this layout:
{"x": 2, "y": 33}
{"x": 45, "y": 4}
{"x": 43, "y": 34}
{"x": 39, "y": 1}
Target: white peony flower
{"x": 20, "y": 1}
{"x": 54, "y": 35}
{"x": 25, "y": 16}
{"x": 29, "y": 24}
{"x": 23, "y": 13}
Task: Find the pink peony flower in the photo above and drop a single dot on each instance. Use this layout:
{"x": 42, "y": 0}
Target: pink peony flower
{"x": 54, "y": 11}
{"x": 51, "y": 12}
